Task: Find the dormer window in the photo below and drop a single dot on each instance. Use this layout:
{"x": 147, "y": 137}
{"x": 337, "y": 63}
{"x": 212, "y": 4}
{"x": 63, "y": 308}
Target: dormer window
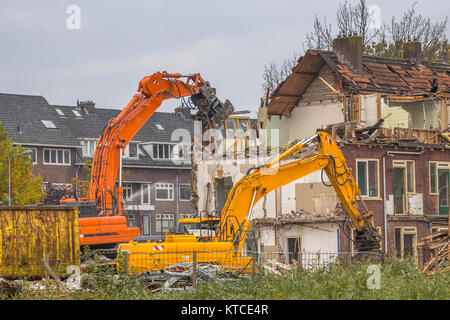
{"x": 131, "y": 151}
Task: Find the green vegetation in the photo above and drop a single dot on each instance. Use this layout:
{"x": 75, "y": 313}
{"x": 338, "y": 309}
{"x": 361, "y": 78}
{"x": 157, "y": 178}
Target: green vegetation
{"x": 26, "y": 188}
{"x": 400, "y": 280}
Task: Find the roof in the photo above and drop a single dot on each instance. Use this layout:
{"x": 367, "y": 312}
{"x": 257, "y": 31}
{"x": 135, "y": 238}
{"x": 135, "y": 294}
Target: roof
{"x": 379, "y": 75}
{"x": 22, "y": 116}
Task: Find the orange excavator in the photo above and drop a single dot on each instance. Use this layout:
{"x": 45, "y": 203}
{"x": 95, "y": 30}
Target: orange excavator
{"x": 102, "y": 222}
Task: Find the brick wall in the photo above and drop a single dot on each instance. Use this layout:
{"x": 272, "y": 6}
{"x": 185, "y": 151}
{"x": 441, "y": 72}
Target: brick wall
{"x": 422, "y": 185}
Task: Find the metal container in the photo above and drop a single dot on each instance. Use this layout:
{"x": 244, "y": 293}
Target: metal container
{"x": 31, "y": 234}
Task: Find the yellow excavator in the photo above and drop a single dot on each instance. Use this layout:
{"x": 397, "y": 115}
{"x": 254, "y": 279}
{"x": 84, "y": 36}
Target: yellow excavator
{"x": 225, "y": 249}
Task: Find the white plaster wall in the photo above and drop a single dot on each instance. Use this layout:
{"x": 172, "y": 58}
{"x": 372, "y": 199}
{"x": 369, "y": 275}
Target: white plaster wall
{"x": 369, "y": 110}
{"x": 306, "y": 120}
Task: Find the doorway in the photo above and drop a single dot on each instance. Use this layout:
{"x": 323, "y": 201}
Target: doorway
{"x": 293, "y": 249}
{"x": 399, "y": 178}
{"x": 443, "y": 183}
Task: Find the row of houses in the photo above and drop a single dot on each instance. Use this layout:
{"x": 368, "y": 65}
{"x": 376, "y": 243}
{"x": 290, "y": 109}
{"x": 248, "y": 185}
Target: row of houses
{"x": 390, "y": 118}
{"x": 63, "y": 139}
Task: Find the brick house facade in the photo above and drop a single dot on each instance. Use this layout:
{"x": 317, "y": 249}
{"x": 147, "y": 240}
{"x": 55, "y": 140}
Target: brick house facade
{"x": 388, "y": 114}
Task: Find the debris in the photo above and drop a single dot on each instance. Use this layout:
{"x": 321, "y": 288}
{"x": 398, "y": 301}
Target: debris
{"x": 439, "y": 244}
{"x": 6, "y": 287}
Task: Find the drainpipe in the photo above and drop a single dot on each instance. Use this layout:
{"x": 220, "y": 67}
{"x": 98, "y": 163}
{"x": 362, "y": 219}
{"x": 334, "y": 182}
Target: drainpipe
{"x": 385, "y": 204}
{"x": 390, "y": 154}
{"x": 177, "y": 215}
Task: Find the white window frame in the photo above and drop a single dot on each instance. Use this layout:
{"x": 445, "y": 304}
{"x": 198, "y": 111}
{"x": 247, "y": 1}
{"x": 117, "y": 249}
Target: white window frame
{"x": 35, "y": 155}
{"x": 165, "y": 217}
{"x": 164, "y": 186}
{"x": 56, "y": 163}
{"x": 126, "y": 152}
{"x": 49, "y": 124}
{"x": 87, "y": 147}
{"x": 439, "y": 165}
{"x": 404, "y": 164}
{"x": 148, "y": 193}
{"x": 406, "y": 230}
{"x": 179, "y": 191}
{"x": 157, "y": 155}
{"x": 366, "y": 160}
{"x": 127, "y": 190}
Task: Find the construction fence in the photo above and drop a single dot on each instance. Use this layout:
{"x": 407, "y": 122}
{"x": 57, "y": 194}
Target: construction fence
{"x": 231, "y": 262}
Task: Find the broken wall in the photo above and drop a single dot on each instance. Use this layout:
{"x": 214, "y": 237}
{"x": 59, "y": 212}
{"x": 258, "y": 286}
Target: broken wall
{"x": 306, "y": 119}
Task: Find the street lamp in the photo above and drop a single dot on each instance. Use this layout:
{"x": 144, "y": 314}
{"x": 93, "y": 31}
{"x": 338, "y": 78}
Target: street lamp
{"x": 9, "y": 169}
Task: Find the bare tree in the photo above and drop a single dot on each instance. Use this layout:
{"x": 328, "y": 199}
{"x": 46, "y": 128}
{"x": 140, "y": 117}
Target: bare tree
{"x": 414, "y": 26}
{"x": 385, "y": 41}
{"x": 350, "y": 19}
{"x": 274, "y": 74}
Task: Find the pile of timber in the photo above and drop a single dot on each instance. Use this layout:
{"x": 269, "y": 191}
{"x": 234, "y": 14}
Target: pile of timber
{"x": 439, "y": 245}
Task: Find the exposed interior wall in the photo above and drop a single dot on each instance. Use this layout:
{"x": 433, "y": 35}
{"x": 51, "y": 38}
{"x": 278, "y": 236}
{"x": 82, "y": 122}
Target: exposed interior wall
{"x": 306, "y": 119}
{"x": 423, "y": 114}
{"x": 369, "y": 115}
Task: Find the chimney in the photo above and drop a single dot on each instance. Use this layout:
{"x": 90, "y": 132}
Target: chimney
{"x": 88, "y": 106}
{"x": 183, "y": 111}
{"x": 412, "y": 50}
{"x": 349, "y": 48}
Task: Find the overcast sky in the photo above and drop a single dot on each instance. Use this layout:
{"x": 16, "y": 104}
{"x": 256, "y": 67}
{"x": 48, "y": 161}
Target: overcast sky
{"x": 227, "y": 42}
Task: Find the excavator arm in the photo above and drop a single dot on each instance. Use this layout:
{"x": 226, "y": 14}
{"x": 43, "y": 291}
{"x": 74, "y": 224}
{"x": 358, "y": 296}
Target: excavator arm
{"x": 102, "y": 222}
{"x": 116, "y": 135}
{"x": 258, "y": 182}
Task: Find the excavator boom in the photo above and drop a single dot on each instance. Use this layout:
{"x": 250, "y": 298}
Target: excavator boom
{"x": 116, "y": 135}
{"x": 258, "y": 182}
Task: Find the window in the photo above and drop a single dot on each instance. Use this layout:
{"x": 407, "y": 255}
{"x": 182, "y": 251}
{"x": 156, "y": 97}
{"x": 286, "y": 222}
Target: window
{"x": 160, "y": 127}
{"x": 59, "y": 111}
{"x": 131, "y": 151}
{"x": 405, "y": 240}
{"x": 187, "y": 215}
{"x": 145, "y": 193}
{"x": 367, "y": 177}
{"x": 57, "y": 156}
{"x": 162, "y": 151}
{"x": 164, "y": 191}
{"x": 164, "y": 221}
{"x": 146, "y": 225}
{"x": 130, "y": 221}
{"x": 434, "y": 167}
{"x": 33, "y": 155}
{"x": 433, "y": 175}
{"x": 48, "y": 124}
{"x": 76, "y": 113}
{"x": 185, "y": 192}
{"x": 89, "y": 147}
{"x": 409, "y": 166}
{"x": 127, "y": 191}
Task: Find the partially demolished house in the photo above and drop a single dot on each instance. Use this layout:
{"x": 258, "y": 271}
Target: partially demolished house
{"x": 391, "y": 119}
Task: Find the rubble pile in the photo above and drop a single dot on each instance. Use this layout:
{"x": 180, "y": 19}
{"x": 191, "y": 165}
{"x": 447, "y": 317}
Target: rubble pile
{"x": 439, "y": 245}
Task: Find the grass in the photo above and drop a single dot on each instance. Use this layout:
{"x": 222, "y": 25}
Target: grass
{"x": 400, "y": 280}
